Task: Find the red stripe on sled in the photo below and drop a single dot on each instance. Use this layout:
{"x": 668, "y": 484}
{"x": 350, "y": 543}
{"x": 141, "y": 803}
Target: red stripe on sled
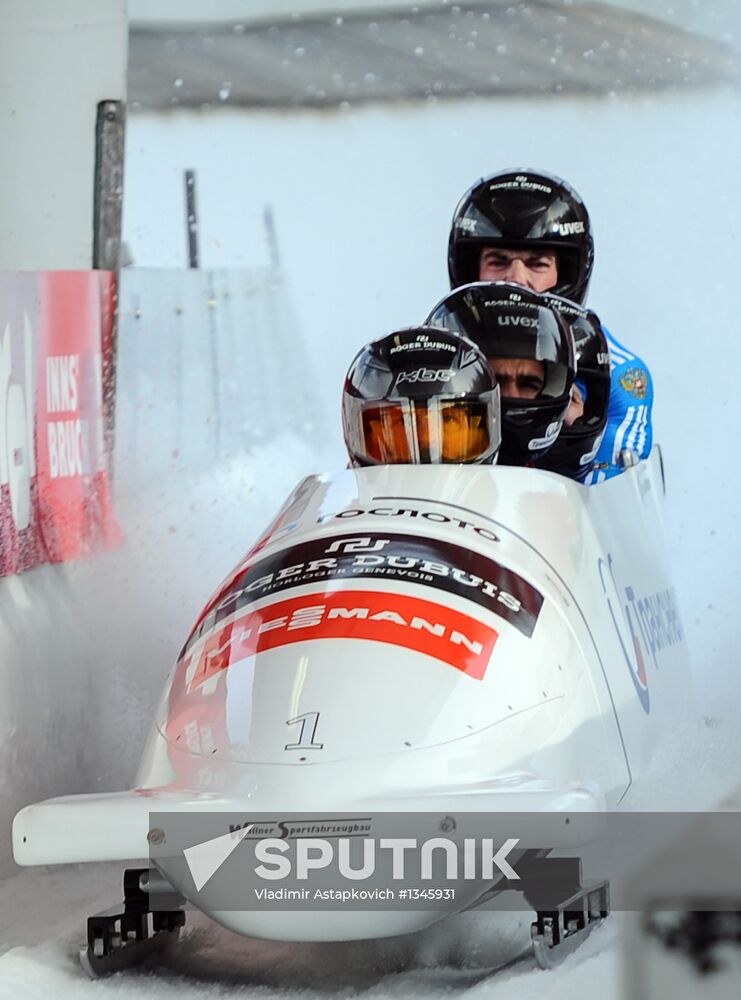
{"x": 424, "y": 626}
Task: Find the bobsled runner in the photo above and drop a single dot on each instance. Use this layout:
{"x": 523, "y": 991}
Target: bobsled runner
{"x": 450, "y": 641}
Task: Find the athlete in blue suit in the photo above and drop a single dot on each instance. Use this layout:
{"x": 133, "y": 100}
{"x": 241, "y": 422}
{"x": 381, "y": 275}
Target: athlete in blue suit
{"x": 628, "y": 413}
{"x": 533, "y": 229}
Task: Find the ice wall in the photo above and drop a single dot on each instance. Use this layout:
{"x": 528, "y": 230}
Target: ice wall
{"x": 205, "y": 451}
{"x": 50, "y": 696}
{"x": 210, "y": 362}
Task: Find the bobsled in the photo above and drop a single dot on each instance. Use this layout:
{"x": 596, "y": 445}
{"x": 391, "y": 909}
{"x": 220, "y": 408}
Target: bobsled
{"x": 448, "y": 641}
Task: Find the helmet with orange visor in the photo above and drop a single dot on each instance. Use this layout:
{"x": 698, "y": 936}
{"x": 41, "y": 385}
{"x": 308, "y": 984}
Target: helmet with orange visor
{"x": 421, "y": 395}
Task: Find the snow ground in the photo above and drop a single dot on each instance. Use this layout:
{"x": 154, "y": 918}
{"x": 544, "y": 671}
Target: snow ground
{"x": 211, "y": 961}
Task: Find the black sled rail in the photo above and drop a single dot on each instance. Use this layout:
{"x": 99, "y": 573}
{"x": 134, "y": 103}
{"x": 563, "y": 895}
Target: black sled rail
{"x": 566, "y": 912}
{"x": 129, "y": 934}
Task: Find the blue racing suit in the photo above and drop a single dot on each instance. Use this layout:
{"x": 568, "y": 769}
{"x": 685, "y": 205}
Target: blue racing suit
{"x": 628, "y": 412}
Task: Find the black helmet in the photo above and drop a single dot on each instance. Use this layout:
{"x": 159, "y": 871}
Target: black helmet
{"x": 420, "y": 395}
{"x": 523, "y": 209}
{"x": 577, "y": 444}
{"x": 508, "y": 321}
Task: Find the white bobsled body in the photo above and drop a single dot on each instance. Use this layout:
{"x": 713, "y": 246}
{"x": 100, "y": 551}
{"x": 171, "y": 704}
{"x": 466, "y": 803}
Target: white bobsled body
{"x": 427, "y": 639}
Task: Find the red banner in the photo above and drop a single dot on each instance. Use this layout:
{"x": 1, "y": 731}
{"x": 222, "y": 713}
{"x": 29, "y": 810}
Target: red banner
{"x": 54, "y": 491}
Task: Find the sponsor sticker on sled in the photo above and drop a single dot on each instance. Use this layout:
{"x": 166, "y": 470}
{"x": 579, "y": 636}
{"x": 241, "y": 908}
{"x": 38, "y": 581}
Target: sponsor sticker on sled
{"x": 436, "y": 565}
{"x": 653, "y": 625}
{"x": 627, "y": 638}
{"x": 423, "y": 626}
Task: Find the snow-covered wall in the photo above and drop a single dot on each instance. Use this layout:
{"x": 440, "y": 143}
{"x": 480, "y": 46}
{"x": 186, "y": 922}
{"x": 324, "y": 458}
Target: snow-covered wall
{"x": 85, "y": 645}
{"x": 199, "y": 360}
{"x": 51, "y": 698}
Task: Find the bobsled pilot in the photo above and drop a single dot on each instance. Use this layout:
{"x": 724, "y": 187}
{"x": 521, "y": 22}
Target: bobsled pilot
{"x": 532, "y": 228}
{"x": 421, "y": 396}
{"x": 530, "y": 347}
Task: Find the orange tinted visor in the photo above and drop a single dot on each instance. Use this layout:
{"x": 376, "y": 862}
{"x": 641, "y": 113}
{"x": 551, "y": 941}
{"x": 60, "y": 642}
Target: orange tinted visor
{"x": 426, "y": 431}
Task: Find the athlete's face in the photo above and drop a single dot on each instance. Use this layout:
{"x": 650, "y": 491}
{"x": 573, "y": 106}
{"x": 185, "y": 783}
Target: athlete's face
{"x": 538, "y": 271}
{"x": 519, "y": 378}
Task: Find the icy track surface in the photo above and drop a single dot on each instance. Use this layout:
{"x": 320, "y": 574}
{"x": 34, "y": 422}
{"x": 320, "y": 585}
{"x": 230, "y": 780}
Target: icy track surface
{"x": 209, "y": 961}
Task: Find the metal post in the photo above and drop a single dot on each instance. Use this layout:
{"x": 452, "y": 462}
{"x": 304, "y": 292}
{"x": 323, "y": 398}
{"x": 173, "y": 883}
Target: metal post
{"x": 191, "y": 217}
{"x": 108, "y": 182}
{"x": 108, "y": 185}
